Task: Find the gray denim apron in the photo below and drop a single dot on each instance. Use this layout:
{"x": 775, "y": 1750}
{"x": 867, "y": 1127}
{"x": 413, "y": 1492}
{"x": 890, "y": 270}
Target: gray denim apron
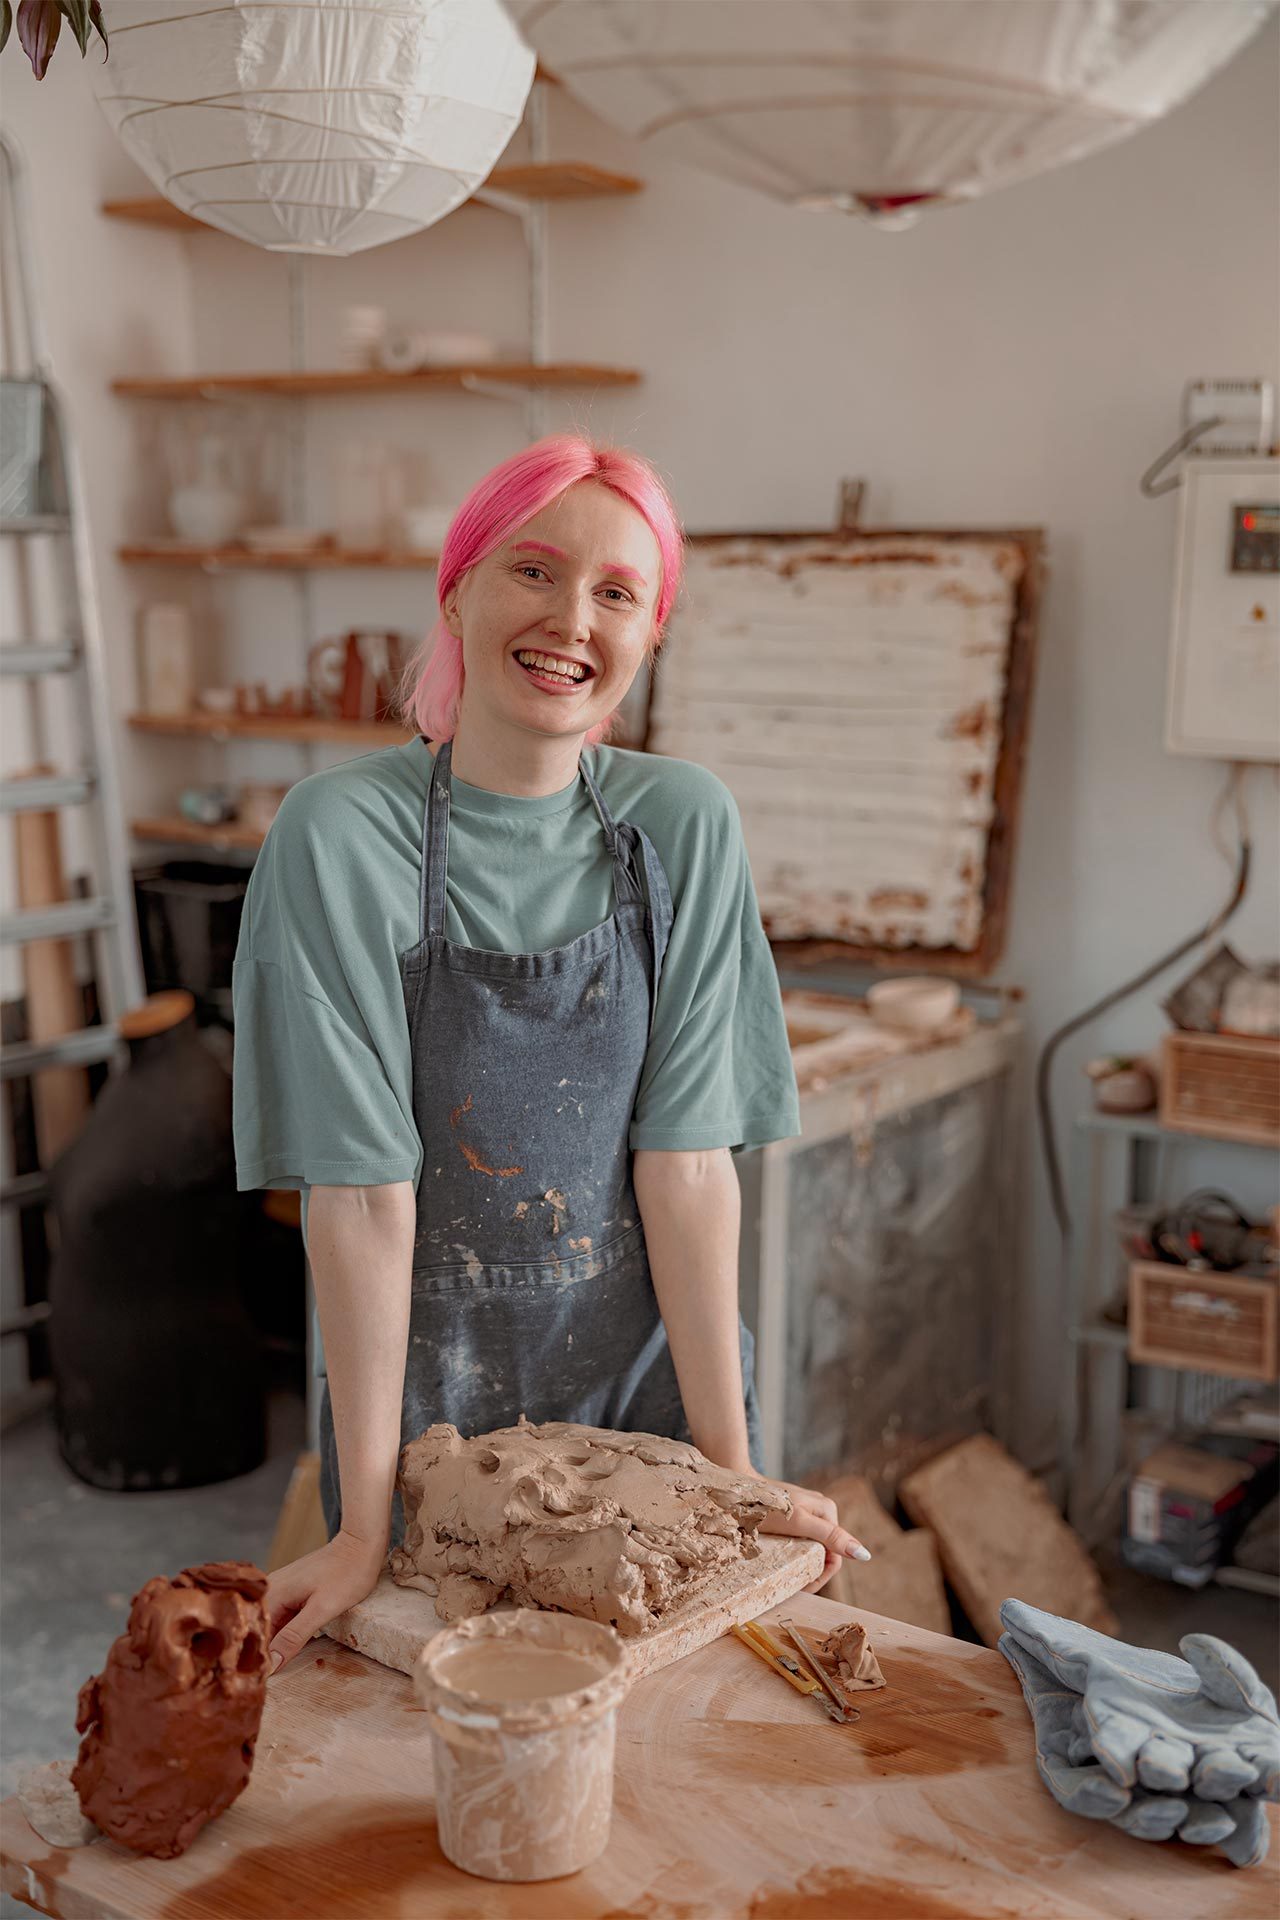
{"x": 531, "y": 1288}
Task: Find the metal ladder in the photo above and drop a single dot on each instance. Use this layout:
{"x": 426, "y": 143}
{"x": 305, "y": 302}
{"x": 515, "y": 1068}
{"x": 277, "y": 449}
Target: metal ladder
{"x": 47, "y": 505}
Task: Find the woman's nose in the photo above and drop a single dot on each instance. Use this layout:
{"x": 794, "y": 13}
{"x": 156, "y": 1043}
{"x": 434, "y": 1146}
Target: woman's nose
{"x": 569, "y": 617}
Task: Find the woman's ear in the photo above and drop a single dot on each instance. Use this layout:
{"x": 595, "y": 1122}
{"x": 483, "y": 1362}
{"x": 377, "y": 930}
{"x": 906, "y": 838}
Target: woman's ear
{"x": 449, "y": 612}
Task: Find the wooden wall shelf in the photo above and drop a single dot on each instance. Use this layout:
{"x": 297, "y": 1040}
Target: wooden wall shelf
{"x": 238, "y": 726}
{"x": 557, "y": 180}
{"x": 505, "y": 373}
{"x": 174, "y": 831}
{"x": 182, "y": 553}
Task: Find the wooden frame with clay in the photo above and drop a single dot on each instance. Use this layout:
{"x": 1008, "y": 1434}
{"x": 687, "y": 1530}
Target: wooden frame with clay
{"x": 979, "y": 961}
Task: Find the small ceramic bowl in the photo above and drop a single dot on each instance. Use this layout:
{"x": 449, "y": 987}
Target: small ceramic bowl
{"x": 914, "y": 1005}
{"x": 216, "y": 699}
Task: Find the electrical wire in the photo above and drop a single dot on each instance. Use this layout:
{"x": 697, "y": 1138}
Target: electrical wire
{"x": 1232, "y": 792}
{"x": 1184, "y": 441}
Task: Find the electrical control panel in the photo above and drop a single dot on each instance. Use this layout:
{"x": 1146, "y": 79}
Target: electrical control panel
{"x": 1224, "y": 669}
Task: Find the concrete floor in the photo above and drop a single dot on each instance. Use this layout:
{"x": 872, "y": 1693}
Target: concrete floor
{"x": 73, "y": 1558}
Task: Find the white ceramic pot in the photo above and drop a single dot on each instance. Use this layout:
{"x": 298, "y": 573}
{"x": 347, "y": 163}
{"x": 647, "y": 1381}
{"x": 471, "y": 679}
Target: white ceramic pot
{"x": 422, "y": 529}
{"x": 207, "y": 515}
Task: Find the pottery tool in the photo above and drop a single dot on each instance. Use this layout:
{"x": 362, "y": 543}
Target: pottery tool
{"x": 794, "y": 1678}
{"x": 763, "y": 1647}
{"x": 816, "y": 1673}
{"x": 847, "y": 1711}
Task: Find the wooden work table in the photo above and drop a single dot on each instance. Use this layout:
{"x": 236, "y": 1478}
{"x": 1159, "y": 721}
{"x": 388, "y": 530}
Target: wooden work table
{"x": 734, "y": 1800}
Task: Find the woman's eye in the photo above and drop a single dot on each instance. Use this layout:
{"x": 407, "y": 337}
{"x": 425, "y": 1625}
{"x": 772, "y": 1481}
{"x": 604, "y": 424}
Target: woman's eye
{"x": 531, "y": 569}
{"x": 621, "y": 592}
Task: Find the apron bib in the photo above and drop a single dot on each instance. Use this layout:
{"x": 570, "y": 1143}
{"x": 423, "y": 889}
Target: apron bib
{"x": 531, "y": 1291}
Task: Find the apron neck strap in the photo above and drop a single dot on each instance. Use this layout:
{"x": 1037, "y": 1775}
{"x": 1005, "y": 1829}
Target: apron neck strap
{"x": 606, "y": 818}
{"x": 435, "y": 847}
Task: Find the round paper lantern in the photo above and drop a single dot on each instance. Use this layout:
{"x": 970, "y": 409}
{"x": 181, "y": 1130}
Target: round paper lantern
{"x": 882, "y": 107}
{"x": 315, "y": 126}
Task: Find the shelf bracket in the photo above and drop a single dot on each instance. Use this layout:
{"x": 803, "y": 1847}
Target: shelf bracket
{"x": 493, "y": 389}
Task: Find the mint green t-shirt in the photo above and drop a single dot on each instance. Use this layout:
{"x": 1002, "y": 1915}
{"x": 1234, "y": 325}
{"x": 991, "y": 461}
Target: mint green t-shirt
{"x": 323, "y": 1075}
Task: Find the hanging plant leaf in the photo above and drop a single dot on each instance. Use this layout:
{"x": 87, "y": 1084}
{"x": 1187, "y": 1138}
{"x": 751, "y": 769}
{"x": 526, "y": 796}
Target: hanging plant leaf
{"x": 77, "y": 13}
{"x": 39, "y": 24}
{"x": 95, "y": 16}
{"x": 6, "y": 21}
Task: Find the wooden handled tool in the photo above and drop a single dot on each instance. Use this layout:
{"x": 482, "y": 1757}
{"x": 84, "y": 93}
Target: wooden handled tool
{"x": 766, "y": 1648}
{"x": 847, "y": 1712}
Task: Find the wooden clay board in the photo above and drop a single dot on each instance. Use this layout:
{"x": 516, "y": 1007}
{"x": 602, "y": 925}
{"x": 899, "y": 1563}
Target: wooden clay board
{"x": 734, "y": 1799}
{"x": 1001, "y": 1538}
{"x": 395, "y": 1623}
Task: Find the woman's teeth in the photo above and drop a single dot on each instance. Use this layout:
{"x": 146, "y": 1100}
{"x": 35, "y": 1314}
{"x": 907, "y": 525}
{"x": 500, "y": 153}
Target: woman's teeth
{"x": 548, "y": 664}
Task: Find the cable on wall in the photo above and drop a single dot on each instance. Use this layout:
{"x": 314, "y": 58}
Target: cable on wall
{"x": 1232, "y": 795}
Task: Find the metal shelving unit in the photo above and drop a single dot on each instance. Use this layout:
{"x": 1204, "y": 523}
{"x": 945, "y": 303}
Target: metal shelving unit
{"x": 1098, "y": 1373}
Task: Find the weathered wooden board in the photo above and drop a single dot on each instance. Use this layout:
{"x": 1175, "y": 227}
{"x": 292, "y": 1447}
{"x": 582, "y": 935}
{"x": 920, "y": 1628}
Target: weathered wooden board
{"x": 903, "y": 1579}
{"x": 1001, "y": 1537}
{"x": 395, "y": 1623}
{"x": 864, "y": 696}
{"x": 862, "y": 1515}
{"x": 734, "y": 1799}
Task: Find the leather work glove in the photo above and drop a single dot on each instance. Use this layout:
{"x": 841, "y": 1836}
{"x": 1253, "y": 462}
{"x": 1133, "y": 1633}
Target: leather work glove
{"x": 1237, "y": 1828}
{"x": 1079, "y": 1782}
{"x": 1068, "y": 1767}
{"x": 1205, "y": 1725}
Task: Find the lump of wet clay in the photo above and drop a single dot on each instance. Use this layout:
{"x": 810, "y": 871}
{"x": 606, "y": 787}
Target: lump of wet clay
{"x": 616, "y": 1527}
{"x": 170, "y": 1723}
{"x": 847, "y": 1655}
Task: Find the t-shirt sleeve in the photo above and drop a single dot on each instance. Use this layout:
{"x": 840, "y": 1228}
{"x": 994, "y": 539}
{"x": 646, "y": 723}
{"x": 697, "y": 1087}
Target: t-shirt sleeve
{"x": 718, "y": 1071}
{"x": 317, "y": 1101}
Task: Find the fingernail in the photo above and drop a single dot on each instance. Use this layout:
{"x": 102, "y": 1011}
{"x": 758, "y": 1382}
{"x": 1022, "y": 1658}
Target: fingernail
{"x": 860, "y": 1552}
{"x": 277, "y": 1659}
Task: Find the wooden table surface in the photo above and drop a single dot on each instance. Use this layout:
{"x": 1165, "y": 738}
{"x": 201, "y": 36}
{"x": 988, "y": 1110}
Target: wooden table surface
{"x": 734, "y": 1800}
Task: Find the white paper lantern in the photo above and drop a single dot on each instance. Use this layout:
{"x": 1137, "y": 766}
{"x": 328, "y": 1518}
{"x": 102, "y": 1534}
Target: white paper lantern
{"x": 882, "y": 107}
{"x": 315, "y": 126}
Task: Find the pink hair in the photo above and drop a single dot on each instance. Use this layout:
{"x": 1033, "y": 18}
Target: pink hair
{"x": 431, "y": 691}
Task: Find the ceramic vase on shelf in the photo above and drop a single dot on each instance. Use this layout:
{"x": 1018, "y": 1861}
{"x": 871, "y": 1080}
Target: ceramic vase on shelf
{"x": 165, "y": 659}
{"x": 360, "y": 337}
{"x": 369, "y": 494}
{"x": 158, "y": 1369}
{"x": 211, "y": 509}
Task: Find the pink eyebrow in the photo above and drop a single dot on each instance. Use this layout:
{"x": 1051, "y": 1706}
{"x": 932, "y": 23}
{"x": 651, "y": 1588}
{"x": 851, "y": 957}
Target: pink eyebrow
{"x": 558, "y": 553}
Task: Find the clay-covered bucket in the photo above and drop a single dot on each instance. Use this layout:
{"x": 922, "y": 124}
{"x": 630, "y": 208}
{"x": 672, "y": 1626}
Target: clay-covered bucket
{"x": 523, "y": 1708}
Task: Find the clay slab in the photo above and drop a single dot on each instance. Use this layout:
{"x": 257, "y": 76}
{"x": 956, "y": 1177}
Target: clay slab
{"x": 394, "y": 1623}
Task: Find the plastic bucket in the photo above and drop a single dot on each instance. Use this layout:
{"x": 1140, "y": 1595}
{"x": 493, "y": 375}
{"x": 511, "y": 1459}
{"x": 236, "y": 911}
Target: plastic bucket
{"x": 523, "y": 1708}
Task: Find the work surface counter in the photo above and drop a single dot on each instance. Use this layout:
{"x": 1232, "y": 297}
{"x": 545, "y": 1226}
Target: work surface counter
{"x": 734, "y": 1800}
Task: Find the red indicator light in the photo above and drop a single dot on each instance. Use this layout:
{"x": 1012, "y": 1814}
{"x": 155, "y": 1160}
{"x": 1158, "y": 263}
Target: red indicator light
{"x": 1248, "y": 521}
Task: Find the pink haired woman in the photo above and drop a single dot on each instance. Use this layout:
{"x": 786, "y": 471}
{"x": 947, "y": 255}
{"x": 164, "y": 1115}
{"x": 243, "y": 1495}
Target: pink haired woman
{"x": 503, "y": 1008}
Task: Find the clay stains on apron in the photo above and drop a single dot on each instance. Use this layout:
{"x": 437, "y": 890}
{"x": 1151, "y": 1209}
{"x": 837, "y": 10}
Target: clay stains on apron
{"x": 470, "y": 1154}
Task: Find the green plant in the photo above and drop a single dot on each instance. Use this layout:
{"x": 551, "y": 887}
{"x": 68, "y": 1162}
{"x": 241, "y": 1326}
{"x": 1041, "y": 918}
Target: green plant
{"x": 40, "y": 23}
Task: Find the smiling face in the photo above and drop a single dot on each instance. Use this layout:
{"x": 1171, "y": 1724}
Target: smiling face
{"x": 556, "y": 621}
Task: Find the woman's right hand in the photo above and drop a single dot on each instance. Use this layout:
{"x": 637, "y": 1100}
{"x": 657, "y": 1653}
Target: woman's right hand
{"x": 303, "y": 1597}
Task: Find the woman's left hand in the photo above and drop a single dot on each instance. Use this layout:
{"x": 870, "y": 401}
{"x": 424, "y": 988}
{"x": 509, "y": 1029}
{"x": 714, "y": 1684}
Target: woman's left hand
{"x": 813, "y": 1516}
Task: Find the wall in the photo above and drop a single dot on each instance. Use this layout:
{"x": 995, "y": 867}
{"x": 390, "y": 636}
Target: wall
{"x": 1018, "y": 361}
